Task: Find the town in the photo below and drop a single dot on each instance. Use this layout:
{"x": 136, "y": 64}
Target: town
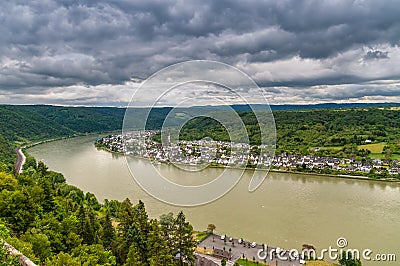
{"x": 225, "y": 154}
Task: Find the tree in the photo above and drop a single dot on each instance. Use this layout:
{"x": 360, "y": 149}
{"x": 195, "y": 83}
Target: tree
{"x": 138, "y": 231}
{"x": 182, "y": 239}
{"x": 62, "y": 259}
{"x": 223, "y": 262}
{"x": 126, "y": 219}
{"x": 40, "y": 244}
{"x": 158, "y": 250}
{"x": 92, "y": 201}
{"x": 211, "y": 228}
{"x": 41, "y": 169}
{"x": 166, "y": 221}
{"x": 5, "y": 258}
{"x": 48, "y": 194}
{"x": 89, "y": 255}
{"x": 55, "y": 178}
{"x": 108, "y": 232}
{"x": 133, "y": 258}
{"x": 30, "y": 161}
{"x": 346, "y": 259}
{"x": 17, "y": 210}
{"x": 88, "y": 225}
{"x": 7, "y": 182}
{"x": 112, "y": 207}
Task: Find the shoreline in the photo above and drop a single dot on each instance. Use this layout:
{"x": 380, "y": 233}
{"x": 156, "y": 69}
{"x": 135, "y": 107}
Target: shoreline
{"x": 341, "y": 176}
{"x": 32, "y": 144}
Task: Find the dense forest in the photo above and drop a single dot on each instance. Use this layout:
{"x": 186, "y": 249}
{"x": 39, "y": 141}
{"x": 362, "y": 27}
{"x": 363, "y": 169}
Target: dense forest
{"x": 24, "y": 123}
{"x": 7, "y": 154}
{"x": 324, "y": 132}
{"x": 56, "y": 224}
{"x": 337, "y": 132}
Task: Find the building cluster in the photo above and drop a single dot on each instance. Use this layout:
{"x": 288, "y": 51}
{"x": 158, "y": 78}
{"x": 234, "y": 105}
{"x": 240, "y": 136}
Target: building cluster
{"x": 219, "y": 153}
{"x": 286, "y": 161}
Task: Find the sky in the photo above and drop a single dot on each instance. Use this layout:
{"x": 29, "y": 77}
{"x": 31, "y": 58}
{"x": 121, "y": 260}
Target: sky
{"x": 98, "y": 53}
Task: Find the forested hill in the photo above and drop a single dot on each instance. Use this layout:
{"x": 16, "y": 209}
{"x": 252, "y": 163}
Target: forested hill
{"x": 331, "y": 132}
{"x": 26, "y": 123}
{"x": 339, "y": 132}
{"x": 7, "y": 152}
{"x": 22, "y": 123}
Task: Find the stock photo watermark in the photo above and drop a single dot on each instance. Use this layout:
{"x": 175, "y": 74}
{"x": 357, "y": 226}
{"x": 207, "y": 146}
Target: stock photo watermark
{"x": 186, "y": 91}
{"x": 340, "y": 251}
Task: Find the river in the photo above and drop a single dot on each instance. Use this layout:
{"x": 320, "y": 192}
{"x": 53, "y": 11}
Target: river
{"x": 287, "y": 210}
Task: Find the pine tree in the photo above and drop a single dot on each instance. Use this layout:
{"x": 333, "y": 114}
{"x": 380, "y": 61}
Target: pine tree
{"x": 182, "y": 240}
{"x": 48, "y": 195}
{"x": 126, "y": 218}
{"x": 138, "y": 231}
{"x": 41, "y": 169}
{"x": 158, "y": 250}
{"x": 108, "y": 232}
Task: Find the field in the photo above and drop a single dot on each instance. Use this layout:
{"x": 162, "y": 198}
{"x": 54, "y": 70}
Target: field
{"x": 332, "y": 148}
{"x": 374, "y": 147}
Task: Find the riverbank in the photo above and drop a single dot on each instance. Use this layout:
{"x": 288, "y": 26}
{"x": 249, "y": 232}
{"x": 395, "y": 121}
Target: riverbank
{"x": 21, "y": 150}
{"x": 356, "y": 177}
{"x": 342, "y": 176}
{"x": 232, "y": 249}
{"x": 32, "y": 144}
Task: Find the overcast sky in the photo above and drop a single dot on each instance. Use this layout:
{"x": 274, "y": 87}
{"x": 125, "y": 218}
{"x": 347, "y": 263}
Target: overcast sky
{"x": 76, "y": 52}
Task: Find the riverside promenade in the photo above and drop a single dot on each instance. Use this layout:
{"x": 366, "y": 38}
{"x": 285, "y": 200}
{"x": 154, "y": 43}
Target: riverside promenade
{"x": 237, "y": 250}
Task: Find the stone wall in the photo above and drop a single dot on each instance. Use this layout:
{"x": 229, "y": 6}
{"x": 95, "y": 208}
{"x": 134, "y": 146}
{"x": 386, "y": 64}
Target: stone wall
{"x": 23, "y": 260}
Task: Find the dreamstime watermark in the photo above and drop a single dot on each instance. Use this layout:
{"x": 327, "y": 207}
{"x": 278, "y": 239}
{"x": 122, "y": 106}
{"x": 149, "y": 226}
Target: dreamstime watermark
{"x": 331, "y": 253}
{"x": 197, "y": 89}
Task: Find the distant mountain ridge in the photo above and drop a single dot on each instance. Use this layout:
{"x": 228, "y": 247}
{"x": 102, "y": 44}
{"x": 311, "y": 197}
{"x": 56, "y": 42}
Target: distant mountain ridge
{"x": 24, "y": 123}
{"x": 287, "y": 107}
{"x": 315, "y": 126}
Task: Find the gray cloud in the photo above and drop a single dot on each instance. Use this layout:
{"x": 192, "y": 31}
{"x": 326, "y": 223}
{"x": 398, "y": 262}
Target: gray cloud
{"x": 48, "y": 45}
{"x": 376, "y": 55}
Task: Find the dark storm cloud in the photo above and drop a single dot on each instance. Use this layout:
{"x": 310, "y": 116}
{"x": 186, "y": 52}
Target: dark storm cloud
{"x": 376, "y": 55}
{"x": 52, "y": 44}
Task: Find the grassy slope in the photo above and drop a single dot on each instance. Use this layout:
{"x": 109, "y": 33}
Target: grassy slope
{"x": 374, "y": 147}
